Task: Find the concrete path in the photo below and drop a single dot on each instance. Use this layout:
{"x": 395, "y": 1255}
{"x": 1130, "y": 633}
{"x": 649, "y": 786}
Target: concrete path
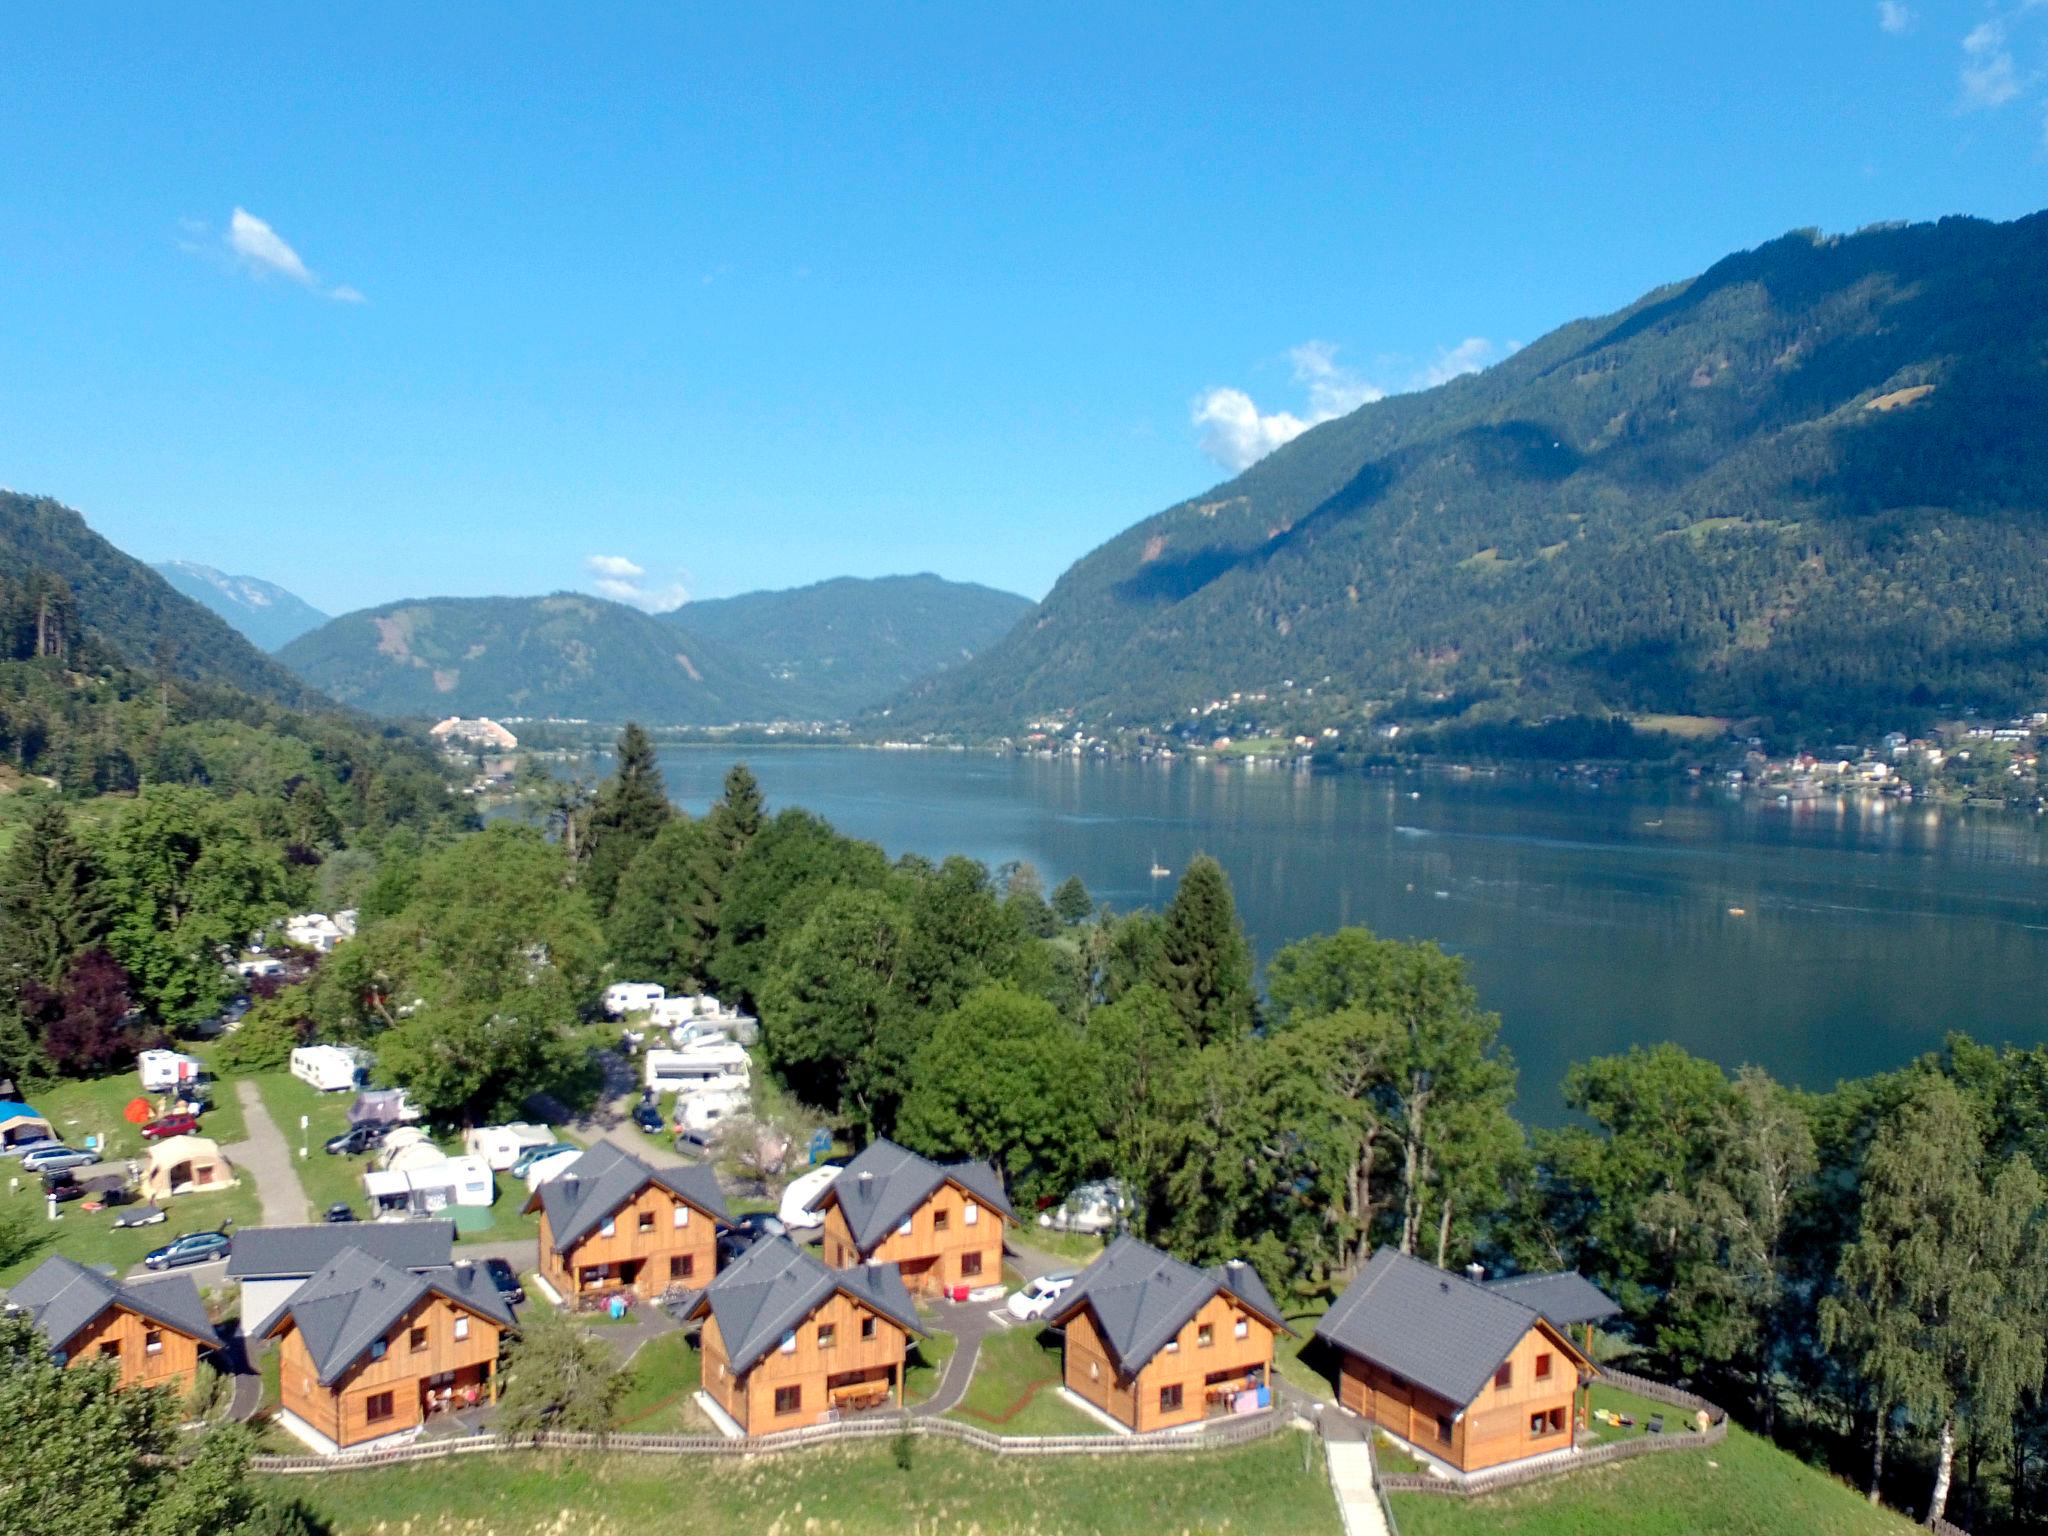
{"x": 1350, "y": 1463}
{"x": 969, "y": 1323}
{"x": 267, "y": 1158}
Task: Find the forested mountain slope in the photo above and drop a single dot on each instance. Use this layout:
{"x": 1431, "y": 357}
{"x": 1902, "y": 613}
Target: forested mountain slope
{"x": 262, "y": 610}
{"x": 837, "y": 647}
{"x": 1809, "y": 485}
{"x": 129, "y": 608}
{"x": 564, "y": 656}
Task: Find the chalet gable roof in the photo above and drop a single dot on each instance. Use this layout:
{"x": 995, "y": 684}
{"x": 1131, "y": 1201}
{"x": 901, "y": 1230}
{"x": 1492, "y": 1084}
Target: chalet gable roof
{"x": 772, "y": 1287}
{"x": 1142, "y": 1297}
{"x": 62, "y": 1297}
{"x": 357, "y": 1298}
{"x": 603, "y": 1179}
{"x": 886, "y": 1183}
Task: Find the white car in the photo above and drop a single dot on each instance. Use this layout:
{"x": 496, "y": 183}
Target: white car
{"x": 1034, "y": 1298}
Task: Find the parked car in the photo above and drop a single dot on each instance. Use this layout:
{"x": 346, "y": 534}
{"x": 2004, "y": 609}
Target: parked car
{"x": 167, "y": 1126}
{"x": 63, "y": 1186}
{"x": 506, "y": 1279}
{"x": 340, "y": 1211}
{"x": 356, "y": 1140}
{"x": 192, "y": 1248}
{"x": 57, "y": 1157}
{"x": 532, "y": 1155}
{"x": 747, "y": 1231}
{"x": 1034, "y": 1298}
{"x": 649, "y": 1118}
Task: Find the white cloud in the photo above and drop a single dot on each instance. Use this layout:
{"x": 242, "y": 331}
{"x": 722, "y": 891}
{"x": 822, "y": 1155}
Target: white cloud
{"x": 261, "y": 251}
{"x": 1988, "y": 75}
{"x": 1236, "y": 434}
{"x": 623, "y": 581}
{"x": 1894, "y": 16}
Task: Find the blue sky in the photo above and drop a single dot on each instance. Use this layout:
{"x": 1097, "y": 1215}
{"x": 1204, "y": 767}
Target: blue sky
{"x": 389, "y": 301}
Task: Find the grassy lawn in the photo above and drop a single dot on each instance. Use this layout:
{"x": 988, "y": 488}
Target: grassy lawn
{"x": 1742, "y": 1487}
{"x": 1314, "y": 1374}
{"x": 1639, "y": 1408}
{"x": 1074, "y": 1250}
{"x": 1393, "y": 1459}
{"x": 664, "y": 1376}
{"x": 93, "y": 1108}
{"x": 90, "y": 1238}
{"x": 852, "y": 1492}
{"x": 1015, "y": 1390}
{"x": 926, "y": 1365}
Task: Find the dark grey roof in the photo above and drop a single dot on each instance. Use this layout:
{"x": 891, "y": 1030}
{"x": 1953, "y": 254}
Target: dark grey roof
{"x": 1566, "y": 1298}
{"x": 1141, "y": 1297}
{"x": 284, "y": 1253}
{"x": 885, "y": 1183}
{"x": 775, "y": 1285}
{"x": 62, "y": 1296}
{"x": 355, "y": 1299}
{"x": 605, "y": 1178}
{"x": 1437, "y": 1329}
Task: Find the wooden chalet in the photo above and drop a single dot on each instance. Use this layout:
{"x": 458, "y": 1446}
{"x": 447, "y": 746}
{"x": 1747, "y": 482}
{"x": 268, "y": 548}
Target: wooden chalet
{"x": 1155, "y": 1343}
{"x": 153, "y": 1330}
{"x": 788, "y": 1342}
{"x": 940, "y": 1224}
{"x": 613, "y": 1223}
{"x": 1470, "y": 1374}
{"x": 368, "y": 1351}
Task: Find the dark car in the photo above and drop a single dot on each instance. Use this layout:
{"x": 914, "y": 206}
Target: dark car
{"x": 506, "y": 1279}
{"x": 192, "y": 1248}
{"x": 648, "y": 1118}
{"x": 170, "y": 1125}
{"x": 747, "y": 1231}
{"x": 63, "y": 1185}
{"x": 341, "y": 1210}
{"x": 356, "y": 1140}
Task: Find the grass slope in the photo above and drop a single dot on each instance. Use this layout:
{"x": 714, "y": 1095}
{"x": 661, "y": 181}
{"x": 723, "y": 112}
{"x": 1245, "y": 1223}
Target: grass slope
{"x": 1744, "y": 1486}
{"x": 1016, "y": 1388}
{"x": 1275, "y": 1483}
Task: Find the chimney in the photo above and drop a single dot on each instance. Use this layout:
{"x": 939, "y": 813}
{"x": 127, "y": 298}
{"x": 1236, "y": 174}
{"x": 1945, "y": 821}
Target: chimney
{"x": 1444, "y": 1286}
{"x": 570, "y": 1185}
{"x": 867, "y": 1177}
{"x": 1475, "y": 1273}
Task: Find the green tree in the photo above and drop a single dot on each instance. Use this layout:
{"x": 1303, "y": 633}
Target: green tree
{"x": 1941, "y": 1305}
{"x": 785, "y": 872}
{"x": 1331, "y": 1083}
{"x": 729, "y": 829}
{"x": 653, "y": 932}
{"x": 187, "y": 886}
{"x": 1204, "y": 962}
{"x": 1005, "y": 1078}
{"x": 477, "y": 1062}
{"x": 1071, "y": 902}
{"x": 51, "y": 902}
{"x": 631, "y": 806}
{"x": 1141, "y": 1045}
{"x": 557, "y": 1376}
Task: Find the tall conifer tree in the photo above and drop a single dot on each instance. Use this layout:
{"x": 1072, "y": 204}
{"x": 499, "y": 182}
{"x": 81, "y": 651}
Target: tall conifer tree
{"x": 631, "y": 806}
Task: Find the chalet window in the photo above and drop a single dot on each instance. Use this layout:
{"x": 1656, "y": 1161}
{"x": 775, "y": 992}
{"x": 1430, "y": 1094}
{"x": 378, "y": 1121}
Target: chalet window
{"x": 461, "y": 1327}
{"x": 378, "y": 1407}
{"x": 681, "y": 1266}
{"x": 789, "y": 1399}
{"x": 867, "y": 1327}
{"x": 1243, "y": 1330}
{"x": 1173, "y": 1346}
{"x": 682, "y": 1217}
{"x": 827, "y": 1335}
{"x": 941, "y": 1220}
{"x": 418, "y": 1340}
{"x": 970, "y": 1264}
{"x": 153, "y": 1341}
{"x": 904, "y": 1229}
{"x": 1505, "y": 1376}
{"x": 111, "y": 1349}
{"x": 647, "y": 1221}
{"x": 376, "y": 1349}
{"x": 1095, "y": 1370}
{"x": 608, "y": 1227}
{"x": 788, "y": 1344}
{"x": 1543, "y": 1367}
{"x": 1169, "y": 1399}
{"x": 1539, "y": 1423}
{"x": 971, "y": 1216}
{"x": 1443, "y": 1428}
{"x": 1205, "y": 1336}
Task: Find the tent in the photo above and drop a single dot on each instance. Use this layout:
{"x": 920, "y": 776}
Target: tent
{"x": 185, "y": 1165}
{"x": 413, "y": 1155}
{"x": 20, "y": 1125}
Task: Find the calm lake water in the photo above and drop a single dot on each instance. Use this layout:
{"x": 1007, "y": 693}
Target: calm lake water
{"x": 1591, "y": 919}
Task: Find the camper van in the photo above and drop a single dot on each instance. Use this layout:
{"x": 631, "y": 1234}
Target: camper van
{"x": 699, "y": 1116}
{"x": 624, "y": 997}
{"x": 330, "y": 1068}
{"x": 553, "y": 1167}
{"x": 693, "y": 1071}
{"x": 500, "y": 1145}
{"x": 167, "y": 1071}
{"x": 702, "y": 1012}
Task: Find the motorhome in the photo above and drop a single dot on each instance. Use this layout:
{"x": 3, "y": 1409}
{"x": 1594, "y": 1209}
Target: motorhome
{"x": 700, "y": 1115}
{"x": 624, "y": 997}
{"x": 330, "y": 1068}
{"x": 693, "y": 1071}
{"x": 167, "y": 1071}
{"x": 500, "y": 1145}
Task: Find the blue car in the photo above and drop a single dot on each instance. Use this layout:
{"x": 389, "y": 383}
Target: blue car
{"x": 192, "y": 1248}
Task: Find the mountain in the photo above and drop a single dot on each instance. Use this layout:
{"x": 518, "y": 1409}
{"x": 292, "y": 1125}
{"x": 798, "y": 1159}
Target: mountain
{"x": 841, "y": 646}
{"x": 131, "y": 610}
{"x": 260, "y": 609}
{"x": 1807, "y": 486}
{"x": 565, "y": 656}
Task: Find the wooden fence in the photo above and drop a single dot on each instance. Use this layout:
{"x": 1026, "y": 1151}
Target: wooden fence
{"x": 1592, "y": 1456}
{"x": 1230, "y": 1432}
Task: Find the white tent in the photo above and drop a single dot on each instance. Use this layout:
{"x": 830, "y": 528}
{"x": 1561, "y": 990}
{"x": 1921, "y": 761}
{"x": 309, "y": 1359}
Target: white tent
{"x": 185, "y": 1165}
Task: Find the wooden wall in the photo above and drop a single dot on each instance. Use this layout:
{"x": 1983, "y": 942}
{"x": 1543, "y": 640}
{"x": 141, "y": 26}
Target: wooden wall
{"x": 929, "y": 1259}
{"x": 175, "y": 1365}
{"x": 750, "y": 1399}
{"x": 697, "y": 1241}
{"x": 1134, "y": 1400}
{"x": 1496, "y": 1424}
{"x": 341, "y": 1411}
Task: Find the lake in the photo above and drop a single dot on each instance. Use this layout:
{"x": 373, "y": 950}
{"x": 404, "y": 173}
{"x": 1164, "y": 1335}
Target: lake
{"x": 1819, "y": 939}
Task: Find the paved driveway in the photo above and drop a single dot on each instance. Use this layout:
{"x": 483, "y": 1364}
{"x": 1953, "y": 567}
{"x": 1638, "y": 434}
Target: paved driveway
{"x": 267, "y": 1158}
